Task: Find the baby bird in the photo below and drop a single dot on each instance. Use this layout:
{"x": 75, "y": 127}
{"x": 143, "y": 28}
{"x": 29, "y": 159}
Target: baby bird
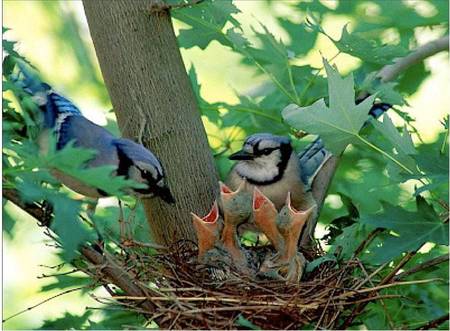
{"x": 65, "y": 121}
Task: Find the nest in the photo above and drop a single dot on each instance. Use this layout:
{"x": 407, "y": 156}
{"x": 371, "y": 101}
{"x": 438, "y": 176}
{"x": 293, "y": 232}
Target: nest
{"x": 184, "y": 295}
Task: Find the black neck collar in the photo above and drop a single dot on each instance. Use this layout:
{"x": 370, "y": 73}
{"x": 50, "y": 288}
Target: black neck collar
{"x": 286, "y": 151}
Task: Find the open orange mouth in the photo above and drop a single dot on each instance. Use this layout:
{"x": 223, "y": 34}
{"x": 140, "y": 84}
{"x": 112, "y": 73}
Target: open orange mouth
{"x": 213, "y": 215}
{"x": 258, "y": 199}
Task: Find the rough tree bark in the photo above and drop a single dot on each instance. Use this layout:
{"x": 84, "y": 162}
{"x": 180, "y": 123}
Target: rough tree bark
{"x": 153, "y": 100}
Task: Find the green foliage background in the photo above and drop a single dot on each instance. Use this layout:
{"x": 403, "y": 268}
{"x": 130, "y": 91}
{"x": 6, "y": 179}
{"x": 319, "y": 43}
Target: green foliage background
{"x": 270, "y": 56}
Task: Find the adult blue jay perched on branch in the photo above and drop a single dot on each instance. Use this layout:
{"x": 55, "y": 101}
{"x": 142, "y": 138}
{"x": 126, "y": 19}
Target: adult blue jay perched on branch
{"x": 64, "y": 119}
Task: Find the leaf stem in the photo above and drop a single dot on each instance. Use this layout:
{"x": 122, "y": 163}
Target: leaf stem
{"x": 390, "y": 157}
{"x": 291, "y": 81}
{"x": 442, "y": 150}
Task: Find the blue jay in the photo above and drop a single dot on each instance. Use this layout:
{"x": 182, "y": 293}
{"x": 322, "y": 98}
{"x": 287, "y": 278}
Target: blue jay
{"x": 270, "y": 163}
{"x": 63, "y": 119}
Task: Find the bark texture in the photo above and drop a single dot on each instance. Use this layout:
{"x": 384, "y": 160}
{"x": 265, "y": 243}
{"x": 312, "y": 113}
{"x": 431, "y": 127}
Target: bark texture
{"x": 153, "y": 100}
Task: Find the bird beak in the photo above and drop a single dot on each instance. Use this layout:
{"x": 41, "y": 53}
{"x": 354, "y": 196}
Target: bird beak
{"x": 165, "y": 194}
{"x": 241, "y": 155}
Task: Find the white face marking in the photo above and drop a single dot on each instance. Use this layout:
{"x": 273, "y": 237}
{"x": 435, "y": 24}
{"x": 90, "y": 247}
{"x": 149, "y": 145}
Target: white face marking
{"x": 135, "y": 174}
{"x": 148, "y": 168}
{"x": 262, "y": 168}
{"x": 40, "y": 98}
{"x": 268, "y": 144}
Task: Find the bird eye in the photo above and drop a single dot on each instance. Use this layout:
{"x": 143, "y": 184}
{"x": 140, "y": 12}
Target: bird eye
{"x": 267, "y": 151}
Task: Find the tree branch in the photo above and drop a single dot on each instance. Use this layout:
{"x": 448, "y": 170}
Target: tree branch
{"x": 105, "y": 266}
{"x": 434, "y": 323}
{"x": 392, "y": 71}
{"x": 389, "y": 72}
{"x": 422, "y": 266}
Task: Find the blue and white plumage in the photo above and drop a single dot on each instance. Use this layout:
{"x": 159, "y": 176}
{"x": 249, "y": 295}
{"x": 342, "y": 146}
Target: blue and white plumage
{"x": 63, "y": 119}
{"x": 269, "y": 163}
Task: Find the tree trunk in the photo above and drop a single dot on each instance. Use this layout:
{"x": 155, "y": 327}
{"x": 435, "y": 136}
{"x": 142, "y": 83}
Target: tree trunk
{"x": 153, "y": 99}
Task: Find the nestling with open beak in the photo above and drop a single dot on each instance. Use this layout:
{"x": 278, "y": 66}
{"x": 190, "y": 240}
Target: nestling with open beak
{"x": 218, "y": 241}
{"x": 236, "y": 207}
{"x": 283, "y": 230}
{"x": 269, "y": 163}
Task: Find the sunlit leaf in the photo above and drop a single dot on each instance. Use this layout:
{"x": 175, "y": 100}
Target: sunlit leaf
{"x": 339, "y": 123}
{"x": 412, "y": 229}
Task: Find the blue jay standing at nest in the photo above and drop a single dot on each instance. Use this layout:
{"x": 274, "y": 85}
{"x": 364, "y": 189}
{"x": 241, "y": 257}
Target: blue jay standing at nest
{"x": 269, "y": 163}
{"x": 63, "y": 119}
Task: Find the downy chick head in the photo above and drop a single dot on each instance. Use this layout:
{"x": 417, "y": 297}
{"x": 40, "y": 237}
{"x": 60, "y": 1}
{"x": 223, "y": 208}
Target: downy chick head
{"x": 263, "y": 158}
{"x": 139, "y": 164}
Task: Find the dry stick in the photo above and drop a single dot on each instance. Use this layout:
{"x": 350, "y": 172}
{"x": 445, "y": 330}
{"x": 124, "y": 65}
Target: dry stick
{"x": 391, "y": 71}
{"x": 42, "y": 302}
{"x": 434, "y": 323}
{"x": 106, "y": 266}
{"x": 422, "y": 266}
{"x": 358, "y": 250}
{"x": 364, "y": 281}
{"x": 388, "y": 316}
{"x": 359, "y": 308}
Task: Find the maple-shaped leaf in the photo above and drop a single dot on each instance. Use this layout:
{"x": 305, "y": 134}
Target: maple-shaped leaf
{"x": 337, "y": 124}
{"x": 302, "y": 40}
{"x": 368, "y": 50}
{"x": 412, "y": 229}
{"x": 402, "y": 142}
{"x": 207, "y": 19}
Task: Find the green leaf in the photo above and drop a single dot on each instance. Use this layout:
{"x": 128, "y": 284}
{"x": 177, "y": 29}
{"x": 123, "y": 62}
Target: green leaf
{"x": 67, "y": 226}
{"x": 302, "y": 40}
{"x": 242, "y": 321}
{"x": 207, "y": 19}
{"x": 315, "y": 263}
{"x": 386, "y": 92}
{"x": 68, "y": 321}
{"x": 368, "y": 50}
{"x": 340, "y": 123}
{"x": 8, "y": 220}
{"x": 71, "y": 161}
{"x": 116, "y": 318}
{"x": 67, "y": 281}
{"x": 412, "y": 229}
{"x": 402, "y": 142}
